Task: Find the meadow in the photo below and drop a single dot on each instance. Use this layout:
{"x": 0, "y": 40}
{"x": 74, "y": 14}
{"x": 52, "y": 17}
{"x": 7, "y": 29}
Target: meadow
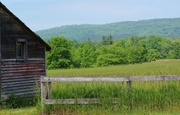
{"x": 157, "y": 97}
{"x": 159, "y": 67}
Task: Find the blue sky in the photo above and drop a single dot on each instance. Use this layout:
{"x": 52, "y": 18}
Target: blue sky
{"x": 44, "y": 14}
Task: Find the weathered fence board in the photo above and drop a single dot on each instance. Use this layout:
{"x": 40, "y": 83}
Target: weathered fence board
{"x": 81, "y": 79}
{"x": 153, "y": 78}
{"x": 78, "y": 101}
{"x": 108, "y": 79}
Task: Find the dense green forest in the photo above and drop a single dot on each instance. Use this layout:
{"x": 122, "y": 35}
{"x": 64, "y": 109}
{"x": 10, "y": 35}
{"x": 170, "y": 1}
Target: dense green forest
{"x": 163, "y": 27}
{"x": 67, "y": 53}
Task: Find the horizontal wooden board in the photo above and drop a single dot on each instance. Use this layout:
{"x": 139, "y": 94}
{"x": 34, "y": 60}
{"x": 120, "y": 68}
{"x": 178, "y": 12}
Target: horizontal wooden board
{"x": 81, "y": 79}
{"x": 79, "y": 101}
{"x": 108, "y": 79}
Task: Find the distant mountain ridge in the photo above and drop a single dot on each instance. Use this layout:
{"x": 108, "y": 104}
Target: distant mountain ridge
{"x": 169, "y": 27}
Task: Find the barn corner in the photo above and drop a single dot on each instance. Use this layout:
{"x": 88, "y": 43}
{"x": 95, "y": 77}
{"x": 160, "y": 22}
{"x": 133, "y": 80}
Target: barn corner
{"x": 22, "y": 57}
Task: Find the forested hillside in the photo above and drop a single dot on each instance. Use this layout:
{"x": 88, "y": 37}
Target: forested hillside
{"x": 162, "y": 27}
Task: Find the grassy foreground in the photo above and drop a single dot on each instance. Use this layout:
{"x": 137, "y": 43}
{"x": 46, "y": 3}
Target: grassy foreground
{"x": 151, "y": 98}
{"x": 19, "y": 111}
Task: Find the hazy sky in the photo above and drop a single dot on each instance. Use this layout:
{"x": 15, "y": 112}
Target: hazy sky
{"x": 44, "y": 14}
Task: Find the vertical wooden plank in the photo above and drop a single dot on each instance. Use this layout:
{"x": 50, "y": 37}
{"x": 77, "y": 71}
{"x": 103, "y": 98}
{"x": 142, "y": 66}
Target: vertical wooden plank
{"x": 129, "y": 92}
{"x": 45, "y": 60}
{"x": 0, "y": 57}
{"x": 128, "y": 82}
{"x": 49, "y": 91}
{"x": 43, "y": 94}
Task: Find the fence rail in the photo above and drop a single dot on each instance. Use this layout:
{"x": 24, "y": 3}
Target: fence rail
{"x": 46, "y": 92}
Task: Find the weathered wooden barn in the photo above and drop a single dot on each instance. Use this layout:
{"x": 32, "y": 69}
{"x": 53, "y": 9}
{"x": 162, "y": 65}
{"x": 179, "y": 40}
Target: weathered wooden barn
{"x": 22, "y": 56}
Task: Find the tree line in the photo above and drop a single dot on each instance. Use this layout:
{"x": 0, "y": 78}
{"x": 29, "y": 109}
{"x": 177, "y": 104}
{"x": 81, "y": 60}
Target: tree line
{"x": 137, "y": 49}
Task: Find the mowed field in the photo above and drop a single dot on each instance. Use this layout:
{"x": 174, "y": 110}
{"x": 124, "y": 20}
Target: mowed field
{"x": 153, "y": 98}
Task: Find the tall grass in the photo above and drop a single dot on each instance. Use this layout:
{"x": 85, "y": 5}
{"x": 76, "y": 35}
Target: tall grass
{"x": 148, "y": 96}
{"x": 143, "y": 97}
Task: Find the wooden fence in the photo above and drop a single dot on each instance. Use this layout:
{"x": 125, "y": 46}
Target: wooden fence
{"x": 46, "y": 91}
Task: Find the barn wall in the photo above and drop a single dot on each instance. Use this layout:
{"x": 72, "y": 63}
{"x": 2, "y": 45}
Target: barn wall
{"x": 11, "y": 31}
{"x": 21, "y": 78}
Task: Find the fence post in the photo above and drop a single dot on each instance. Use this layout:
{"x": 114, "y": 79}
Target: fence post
{"x": 49, "y": 90}
{"x": 43, "y": 94}
{"x": 129, "y": 92}
{"x": 128, "y": 83}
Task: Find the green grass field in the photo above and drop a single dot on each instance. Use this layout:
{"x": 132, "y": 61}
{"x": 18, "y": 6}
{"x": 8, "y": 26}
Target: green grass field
{"x": 160, "y": 67}
{"x": 151, "y": 98}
